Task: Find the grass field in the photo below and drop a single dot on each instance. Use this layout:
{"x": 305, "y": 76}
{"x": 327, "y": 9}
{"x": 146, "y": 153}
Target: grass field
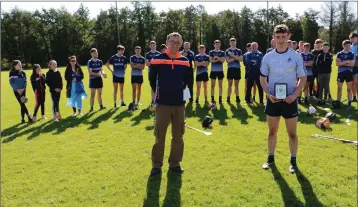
{"x": 103, "y": 158}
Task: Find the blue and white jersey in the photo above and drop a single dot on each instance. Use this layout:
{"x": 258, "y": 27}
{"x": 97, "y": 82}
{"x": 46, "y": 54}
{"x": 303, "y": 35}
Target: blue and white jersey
{"x": 118, "y": 63}
{"x": 96, "y": 66}
{"x": 137, "y": 60}
{"x": 235, "y": 52}
{"x": 344, "y": 56}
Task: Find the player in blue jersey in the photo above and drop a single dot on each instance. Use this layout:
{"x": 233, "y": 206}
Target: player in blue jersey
{"x": 308, "y": 62}
{"x": 201, "y": 64}
{"x": 95, "y": 80}
{"x": 163, "y": 48}
{"x": 186, "y": 52}
{"x": 217, "y": 58}
{"x": 354, "y": 48}
{"x": 233, "y": 58}
{"x": 148, "y": 58}
{"x": 119, "y": 62}
{"x": 138, "y": 64}
{"x": 345, "y": 61}
{"x": 248, "y": 50}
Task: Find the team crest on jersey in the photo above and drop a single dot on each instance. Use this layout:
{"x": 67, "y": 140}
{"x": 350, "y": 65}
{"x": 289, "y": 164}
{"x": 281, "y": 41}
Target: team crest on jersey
{"x": 289, "y": 59}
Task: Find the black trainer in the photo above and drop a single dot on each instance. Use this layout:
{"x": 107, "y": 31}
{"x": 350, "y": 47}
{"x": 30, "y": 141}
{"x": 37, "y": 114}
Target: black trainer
{"x": 354, "y": 99}
{"x": 102, "y": 107}
{"x": 91, "y": 110}
{"x": 177, "y": 169}
{"x": 269, "y": 163}
{"x": 197, "y": 101}
{"x": 23, "y": 121}
{"x": 238, "y": 100}
{"x": 123, "y": 104}
{"x": 115, "y": 105}
{"x": 155, "y": 171}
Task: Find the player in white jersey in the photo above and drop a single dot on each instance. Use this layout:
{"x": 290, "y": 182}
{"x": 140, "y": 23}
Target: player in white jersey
{"x": 283, "y": 66}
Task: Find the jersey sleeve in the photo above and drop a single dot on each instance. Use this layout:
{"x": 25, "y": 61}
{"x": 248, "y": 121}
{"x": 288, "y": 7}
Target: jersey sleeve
{"x": 300, "y": 69}
{"x": 264, "y": 69}
{"x": 239, "y": 52}
{"x": 111, "y": 60}
{"x": 211, "y": 54}
{"x": 131, "y": 59}
{"x": 89, "y": 64}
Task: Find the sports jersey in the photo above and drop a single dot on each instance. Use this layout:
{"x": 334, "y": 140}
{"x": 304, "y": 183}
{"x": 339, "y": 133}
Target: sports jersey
{"x": 282, "y": 67}
{"x": 235, "y": 52}
{"x": 308, "y": 57}
{"x": 218, "y": 66}
{"x": 137, "y": 60}
{"x": 201, "y": 58}
{"x": 344, "y": 56}
{"x": 96, "y": 66}
{"x": 149, "y": 56}
{"x": 118, "y": 63}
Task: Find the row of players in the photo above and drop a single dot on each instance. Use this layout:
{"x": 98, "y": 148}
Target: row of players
{"x": 318, "y": 65}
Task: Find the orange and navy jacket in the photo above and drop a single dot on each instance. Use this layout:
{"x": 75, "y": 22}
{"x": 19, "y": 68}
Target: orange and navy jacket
{"x": 169, "y": 77}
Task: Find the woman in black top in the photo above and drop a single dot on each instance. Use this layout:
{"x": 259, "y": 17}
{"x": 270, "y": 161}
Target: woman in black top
{"x": 38, "y": 81}
{"x": 74, "y": 87}
{"x": 18, "y": 82}
{"x": 54, "y": 82}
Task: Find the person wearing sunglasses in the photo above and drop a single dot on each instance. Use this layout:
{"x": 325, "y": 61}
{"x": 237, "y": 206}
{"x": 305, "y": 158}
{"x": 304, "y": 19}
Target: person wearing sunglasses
{"x": 74, "y": 76}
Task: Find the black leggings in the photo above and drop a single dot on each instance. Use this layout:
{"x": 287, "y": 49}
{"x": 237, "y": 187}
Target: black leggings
{"x": 40, "y": 101}
{"x": 55, "y": 101}
{"x": 22, "y": 105}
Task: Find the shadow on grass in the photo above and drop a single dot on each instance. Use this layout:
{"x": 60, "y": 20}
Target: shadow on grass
{"x": 189, "y": 110}
{"x": 153, "y": 187}
{"x": 103, "y": 117}
{"x": 13, "y": 129}
{"x": 221, "y": 114}
{"x": 172, "y": 196}
{"x": 141, "y": 116}
{"x": 122, "y": 115}
{"x": 288, "y": 196}
{"x": 259, "y": 111}
{"x": 307, "y": 190}
{"x": 49, "y": 126}
{"x": 239, "y": 113}
{"x": 36, "y": 130}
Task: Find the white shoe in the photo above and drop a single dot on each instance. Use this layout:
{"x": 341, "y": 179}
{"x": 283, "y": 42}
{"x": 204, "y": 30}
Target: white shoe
{"x": 75, "y": 114}
{"x": 34, "y": 119}
{"x": 44, "y": 117}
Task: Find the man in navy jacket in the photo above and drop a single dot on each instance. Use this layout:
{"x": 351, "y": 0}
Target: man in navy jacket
{"x": 170, "y": 72}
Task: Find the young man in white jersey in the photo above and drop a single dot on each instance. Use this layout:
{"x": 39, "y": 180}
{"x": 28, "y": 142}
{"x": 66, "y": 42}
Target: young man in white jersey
{"x": 283, "y": 66}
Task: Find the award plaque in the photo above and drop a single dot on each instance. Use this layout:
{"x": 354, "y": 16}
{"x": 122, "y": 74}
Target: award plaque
{"x": 281, "y": 90}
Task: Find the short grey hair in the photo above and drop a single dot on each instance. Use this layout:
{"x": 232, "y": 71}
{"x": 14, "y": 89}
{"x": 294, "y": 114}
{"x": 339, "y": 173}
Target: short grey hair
{"x": 174, "y": 34}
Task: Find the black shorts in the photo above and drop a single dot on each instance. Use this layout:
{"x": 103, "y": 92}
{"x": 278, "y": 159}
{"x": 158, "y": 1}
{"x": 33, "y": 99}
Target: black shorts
{"x": 137, "y": 79}
{"x": 234, "y": 74}
{"x": 345, "y": 76}
{"x": 217, "y": 75}
{"x": 118, "y": 79}
{"x": 96, "y": 83}
{"x": 310, "y": 78}
{"x": 355, "y": 70}
{"x": 283, "y": 109}
{"x": 202, "y": 77}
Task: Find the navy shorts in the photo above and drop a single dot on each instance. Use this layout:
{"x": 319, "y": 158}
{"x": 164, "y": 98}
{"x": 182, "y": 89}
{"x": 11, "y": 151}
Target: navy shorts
{"x": 96, "y": 83}
{"x": 283, "y": 109}
{"x": 234, "y": 74}
{"x": 202, "y": 77}
{"x": 345, "y": 76}
{"x": 137, "y": 79}
{"x": 310, "y": 78}
{"x": 118, "y": 79}
{"x": 355, "y": 70}
{"x": 217, "y": 75}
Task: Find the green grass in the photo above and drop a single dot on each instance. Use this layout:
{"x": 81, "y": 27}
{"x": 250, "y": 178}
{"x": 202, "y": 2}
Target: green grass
{"x": 103, "y": 158}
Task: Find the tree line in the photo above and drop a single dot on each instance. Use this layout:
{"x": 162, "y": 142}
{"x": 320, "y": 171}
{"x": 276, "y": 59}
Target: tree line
{"x": 42, "y": 35}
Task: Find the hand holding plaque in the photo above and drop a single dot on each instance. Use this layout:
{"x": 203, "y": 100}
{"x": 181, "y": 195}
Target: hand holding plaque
{"x": 281, "y": 91}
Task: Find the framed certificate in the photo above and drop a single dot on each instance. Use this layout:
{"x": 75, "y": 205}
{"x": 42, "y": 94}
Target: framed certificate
{"x": 280, "y": 90}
